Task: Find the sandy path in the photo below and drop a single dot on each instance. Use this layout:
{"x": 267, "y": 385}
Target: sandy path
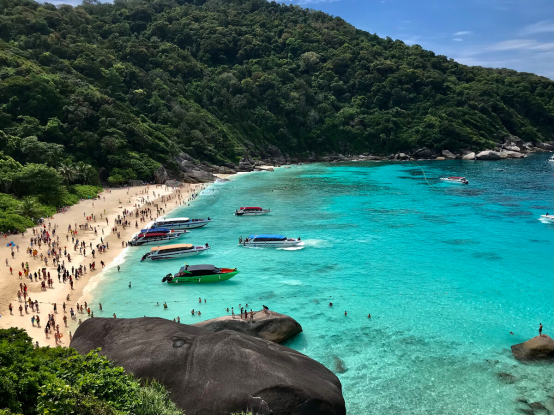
{"x": 110, "y": 205}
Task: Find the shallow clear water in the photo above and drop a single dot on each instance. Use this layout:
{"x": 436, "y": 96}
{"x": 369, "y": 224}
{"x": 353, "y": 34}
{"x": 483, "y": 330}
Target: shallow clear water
{"x": 446, "y": 271}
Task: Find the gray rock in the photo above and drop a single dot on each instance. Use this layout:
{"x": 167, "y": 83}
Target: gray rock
{"x": 215, "y": 372}
{"x": 423, "y": 153}
{"x": 160, "y": 175}
{"x": 469, "y": 156}
{"x": 488, "y": 155}
{"x": 508, "y": 154}
{"x": 546, "y": 146}
{"x": 273, "y": 326}
{"x": 537, "y": 406}
{"x": 512, "y": 148}
{"x": 448, "y": 154}
{"x": 506, "y": 378}
{"x": 440, "y": 158}
{"x": 173, "y": 183}
{"x": 402, "y": 156}
{"x": 226, "y": 170}
{"x": 339, "y": 366}
{"x": 540, "y": 347}
{"x": 372, "y": 157}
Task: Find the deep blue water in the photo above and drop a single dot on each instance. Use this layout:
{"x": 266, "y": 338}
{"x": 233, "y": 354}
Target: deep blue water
{"x": 446, "y": 271}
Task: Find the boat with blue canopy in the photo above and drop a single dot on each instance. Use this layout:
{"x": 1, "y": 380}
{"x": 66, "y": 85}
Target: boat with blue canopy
{"x": 269, "y": 240}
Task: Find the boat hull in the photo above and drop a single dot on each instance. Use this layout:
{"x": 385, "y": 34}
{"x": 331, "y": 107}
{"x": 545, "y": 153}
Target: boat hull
{"x": 212, "y": 278}
{"x": 185, "y": 226}
{"x": 271, "y": 244}
{"x": 177, "y": 255}
{"x": 252, "y": 213}
{"x": 157, "y": 240}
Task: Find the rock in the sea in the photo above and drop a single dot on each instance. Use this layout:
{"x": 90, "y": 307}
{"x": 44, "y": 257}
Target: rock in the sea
{"x": 537, "y": 406}
{"x": 448, "y": 154}
{"x": 546, "y": 146}
{"x": 160, "y": 175}
{"x": 215, "y": 372}
{"x": 539, "y": 347}
{"x": 423, "y": 153}
{"x": 469, "y": 156}
{"x": 506, "y": 377}
{"x": 440, "y": 158}
{"x": 488, "y": 155}
{"x": 272, "y": 326}
{"x": 508, "y": 154}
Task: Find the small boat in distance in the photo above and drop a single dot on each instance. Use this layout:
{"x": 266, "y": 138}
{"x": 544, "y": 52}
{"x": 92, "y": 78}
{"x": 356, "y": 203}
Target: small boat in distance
{"x": 201, "y": 273}
{"x": 251, "y": 211}
{"x": 179, "y": 223}
{"x": 547, "y": 218}
{"x": 269, "y": 240}
{"x": 174, "y": 251}
{"x": 456, "y": 179}
{"x": 551, "y": 158}
{"x": 155, "y": 235}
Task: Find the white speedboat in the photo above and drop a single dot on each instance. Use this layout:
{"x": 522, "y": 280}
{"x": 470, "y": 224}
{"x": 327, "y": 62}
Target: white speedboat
{"x": 551, "y": 158}
{"x": 251, "y": 211}
{"x": 174, "y": 251}
{"x": 456, "y": 179}
{"x": 269, "y": 240}
{"x": 547, "y": 218}
{"x": 179, "y": 223}
{"x": 155, "y": 235}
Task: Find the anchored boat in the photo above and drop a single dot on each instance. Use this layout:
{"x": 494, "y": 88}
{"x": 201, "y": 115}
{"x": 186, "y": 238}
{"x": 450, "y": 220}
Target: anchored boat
{"x": 551, "y": 158}
{"x": 251, "y": 211}
{"x": 155, "y": 235}
{"x": 547, "y": 218}
{"x": 201, "y": 273}
{"x": 269, "y": 240}
{"x": 174, "y": 251}
{"x": 456, "y": 179}
{"x": 179, "y": 223}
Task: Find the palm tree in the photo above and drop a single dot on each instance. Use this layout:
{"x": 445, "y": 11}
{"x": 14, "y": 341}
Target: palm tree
{"x": 67, "y": 172}
{"x": 28, "y": 208}
{"x": 84, "y": 171}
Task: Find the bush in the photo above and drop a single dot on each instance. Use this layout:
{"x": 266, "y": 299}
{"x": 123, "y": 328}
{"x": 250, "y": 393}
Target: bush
{"x": 60, "y": 381}
{"x": 11, "y": 222}
{"x": 86, "y": 191}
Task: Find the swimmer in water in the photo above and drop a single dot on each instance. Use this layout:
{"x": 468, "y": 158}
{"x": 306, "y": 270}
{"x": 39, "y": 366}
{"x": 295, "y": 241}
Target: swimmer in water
{"x": 330, "y": 304}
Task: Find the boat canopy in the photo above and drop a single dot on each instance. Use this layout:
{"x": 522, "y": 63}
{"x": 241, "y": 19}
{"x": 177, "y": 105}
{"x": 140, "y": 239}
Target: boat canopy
{"x": 199, "y": 267}
{"x": 268, "y": 237}
{"x": 152, "y": 235}
{"x": 252, "y": 208}
{"x": 164, "y": 219}
{"x": 155, "y": 230}
{"x": 173, "y": 246}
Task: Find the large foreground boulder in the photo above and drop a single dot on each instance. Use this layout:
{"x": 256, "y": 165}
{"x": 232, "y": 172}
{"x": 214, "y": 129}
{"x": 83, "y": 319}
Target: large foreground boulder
{"x": 272, "y": 326}
{"x": 540, "y": 347}
{"x": 215, "y": 372}
{"x": 469, "y": 156}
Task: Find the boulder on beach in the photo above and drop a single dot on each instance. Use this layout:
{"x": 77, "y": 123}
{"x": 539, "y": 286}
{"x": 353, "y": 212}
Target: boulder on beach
{"x": 469, "y": 156}
{"x": 488, "y": 155}
{"x": 423, "y": 153}
{"x": 546, "y": 146}
{"x": 215, "y": 372}
{"x": 160, "y": 175}
{"x": 448, "y": 154}
{"x": 272, "y": 326}
{"x": 440, "y": 158}
{"x": 539, "y": 347}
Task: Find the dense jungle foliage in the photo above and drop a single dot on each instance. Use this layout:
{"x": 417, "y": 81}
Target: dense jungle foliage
{"x": 127, "y": 86}
{"x": 60, "y": 381}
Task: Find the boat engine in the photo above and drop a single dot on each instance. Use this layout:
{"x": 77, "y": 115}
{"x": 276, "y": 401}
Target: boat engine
{"x": 167, "y": 278}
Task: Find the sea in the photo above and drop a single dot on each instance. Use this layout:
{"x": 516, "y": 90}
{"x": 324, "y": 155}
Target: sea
{"x": 452, "y": 275}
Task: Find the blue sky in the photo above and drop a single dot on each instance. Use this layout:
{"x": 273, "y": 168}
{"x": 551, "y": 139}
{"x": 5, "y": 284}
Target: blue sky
{"x": 515, "y": 34}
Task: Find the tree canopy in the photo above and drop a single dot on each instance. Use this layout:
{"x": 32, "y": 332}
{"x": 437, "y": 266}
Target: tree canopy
{"x": 129, "y": 85}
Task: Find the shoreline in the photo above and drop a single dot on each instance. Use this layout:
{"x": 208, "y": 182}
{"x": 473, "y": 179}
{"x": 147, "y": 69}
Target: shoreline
{"x": 113, "y": 203}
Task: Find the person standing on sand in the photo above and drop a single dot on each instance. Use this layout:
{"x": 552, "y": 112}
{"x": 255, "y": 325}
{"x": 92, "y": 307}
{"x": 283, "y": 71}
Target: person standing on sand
{"x": 540, "y": 330}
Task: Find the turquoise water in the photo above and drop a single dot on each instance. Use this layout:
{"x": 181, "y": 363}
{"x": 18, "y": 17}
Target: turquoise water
{"x": 446, "y": 271}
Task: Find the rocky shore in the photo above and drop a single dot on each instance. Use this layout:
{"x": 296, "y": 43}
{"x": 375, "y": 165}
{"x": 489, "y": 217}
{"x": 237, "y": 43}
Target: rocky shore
{"x": 191, "y": 170}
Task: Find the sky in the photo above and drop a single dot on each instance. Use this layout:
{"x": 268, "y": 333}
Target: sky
{"x": 515, "y": 34}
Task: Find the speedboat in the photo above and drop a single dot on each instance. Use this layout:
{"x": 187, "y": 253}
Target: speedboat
{"x": 456, "y": 179}
{"x": 201, "y": 273}
{"x": 251, "y": 211}
{"x": 547, "y": 218}
{"x": 179, "y": 223}
{"x": 174, "y": 251}
{"x": 154, "y": 235}
{"x": 269, "y": 240}
{"x": 551, "y": 158}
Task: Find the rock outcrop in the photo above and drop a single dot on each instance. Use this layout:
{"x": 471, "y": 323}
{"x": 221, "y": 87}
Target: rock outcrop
{"x": 191, "y": 171}
{"x": 508, "y": 154}
{"x": 448, "y": 154}
{"x": 488, "y": 155}
{"x": 546, "y": 146}
{"x": 540, "y": 347}
{"x": 160, "y": 175}
{"x": 423, "y": 153}
{"x": 469, "y": 156}
{"x": 215, "y": 372}
{"x": 273, "y": 326}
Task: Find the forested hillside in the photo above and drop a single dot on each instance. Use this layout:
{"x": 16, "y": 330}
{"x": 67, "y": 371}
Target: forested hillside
{"x": 129, "y": 85}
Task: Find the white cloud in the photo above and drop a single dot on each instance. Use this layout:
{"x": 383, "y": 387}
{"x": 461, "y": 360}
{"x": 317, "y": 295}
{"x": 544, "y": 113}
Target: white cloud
{"x": 463, "y": 32}
{"x": 458, "y": 40}
{"x": 519, "y": 44}
{"x": 539, "y": 27}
